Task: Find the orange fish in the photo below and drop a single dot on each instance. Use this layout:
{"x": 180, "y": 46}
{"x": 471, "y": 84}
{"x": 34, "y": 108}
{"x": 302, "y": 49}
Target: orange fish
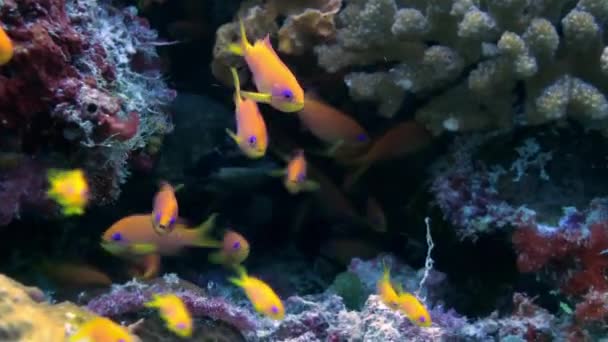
{"x": 375, "y": 215}
{"x": 386, "y": 291}
{"x": 101, "y": 329}
{"x": 165, "y": 211}
{"x": 262, "y": 297}
{"x": 331, "y": 125}
{"x": 174, "y": 312}
{"x": 415, "y": 311}
{"x": 69, "y": 189}
{"x": 401, "y": 140}
{"x": 276, "y": 84}
{"x": 74, "y": 274}
{"x": 235, "y": 249}
{"x": 296, "y": 179}
{"x": 6, "y": 47}
{"x": 135, "y": 236}
{"x": 251, "y": 136}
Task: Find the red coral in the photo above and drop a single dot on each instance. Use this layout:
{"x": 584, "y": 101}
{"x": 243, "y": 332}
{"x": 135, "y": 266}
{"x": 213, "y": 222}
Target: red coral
{"x": 535, "y": 250}
{"x": 121, "y": 129}
{"x": 593, "y": 308}
{"x": 593, "y": 263}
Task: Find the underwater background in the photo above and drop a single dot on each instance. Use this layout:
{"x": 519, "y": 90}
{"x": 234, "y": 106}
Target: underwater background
{"x": 306, "y": 170}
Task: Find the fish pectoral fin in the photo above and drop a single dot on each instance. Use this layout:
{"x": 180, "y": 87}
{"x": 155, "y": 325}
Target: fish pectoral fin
{"x": 178, "y": 187}
{"x": 233, "y": 136}
{"x": 310, "y": 185}
{"x": 143, "y": 248}
{"x": 257, "y": 97}
{"x": 235, "y": 49}
{"x": 277, "y": 173}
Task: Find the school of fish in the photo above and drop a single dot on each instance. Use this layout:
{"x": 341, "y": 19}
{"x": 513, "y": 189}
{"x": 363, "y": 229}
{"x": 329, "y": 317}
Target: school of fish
{"x": 142, "y": 239}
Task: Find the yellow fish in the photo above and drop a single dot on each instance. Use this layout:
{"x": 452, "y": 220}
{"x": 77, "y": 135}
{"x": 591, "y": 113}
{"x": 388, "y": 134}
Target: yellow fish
{"x": 276, "y": 84}
{"x": 386, "y": 291}
{"x": 165, "y": 212}
{"x": 251, "y": 135}
{"x": 134, "y": 236}
{"x": 6, "y": 47}
{"x": 174, "y": 312}
{"x": 262, "y": 297}
{"x": 235, "y": 249}
{"x": 69, "y": 189}
{"x": 415, "y": 311}
{"x": 296, "y": 179}
{"x": 101, "y": 329}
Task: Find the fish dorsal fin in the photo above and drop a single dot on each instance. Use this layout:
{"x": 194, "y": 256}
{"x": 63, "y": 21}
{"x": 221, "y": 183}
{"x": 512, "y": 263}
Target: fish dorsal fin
{"x": 268, "y": 44}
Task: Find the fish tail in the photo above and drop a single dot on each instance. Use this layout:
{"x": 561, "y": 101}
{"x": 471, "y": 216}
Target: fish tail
{"x": 237, "y": 85}
{"x": 153, "y": 302}
{"x": 239, "y": 49}
{"x": 239, "y": 280}
{"x": 202, "y": 238}
{"x": 244, "y": 41}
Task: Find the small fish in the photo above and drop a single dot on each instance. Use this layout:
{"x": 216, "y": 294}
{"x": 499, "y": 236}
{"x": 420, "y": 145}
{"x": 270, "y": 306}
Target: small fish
{"x": 174, "y": 312}
{"x": 69, "y": 189}
{"x": 101, "y": 329}
{"x": 234, "y": 251}
{"x": 276, "y": 84}
{"x": 251, "y": 135}
{"x": 165, "y": 211}
{"x": 73, "y": 274}
{"x": 403, "y": 139}
{"x": 296, "y": 179}
{"x": 135, "y": 236}
{"x": 415, "y": 311}
{"x": 386, "y": 291}
{"x": 262, "y": 297}
{"x": 331, "y": 125}
{"x": 375, "y": 215}
{"x": 6, "y": 47}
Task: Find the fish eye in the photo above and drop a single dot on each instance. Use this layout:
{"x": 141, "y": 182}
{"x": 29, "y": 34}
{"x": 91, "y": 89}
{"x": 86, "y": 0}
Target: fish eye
{"x": 421, "y": 319}
{"x": 181, "y": 325}
{"x": 157, "y": 217}
{"x": 236, "y": 245}
{"x": 252, "y": 140}
{"x": 300, "y": 177}
{"x": 274, "y": 309}
{"x": 172, "y": 220}
{"x": 362, "y": 137}
{"x": 287, "y": 94}
{"x": 116, "y": 236}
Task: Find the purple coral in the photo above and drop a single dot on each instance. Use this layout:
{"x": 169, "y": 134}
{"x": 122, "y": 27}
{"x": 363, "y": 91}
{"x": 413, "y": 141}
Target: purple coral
{"x": 130, "y": 298}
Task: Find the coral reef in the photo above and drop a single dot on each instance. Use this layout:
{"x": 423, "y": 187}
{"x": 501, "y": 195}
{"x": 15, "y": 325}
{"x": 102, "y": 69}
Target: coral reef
{"x": 83, "y": 89}
{"x": 130, "y": 298}
{"x": 548, "y": 197}
{"x": 480, "y": 52}
{"x": 465, "y": 60}
{"x": 27, "y": 317}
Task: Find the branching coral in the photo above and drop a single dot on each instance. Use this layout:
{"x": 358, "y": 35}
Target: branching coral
{"x": 467, "y": 58}
{"x": 83, "y": 84}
